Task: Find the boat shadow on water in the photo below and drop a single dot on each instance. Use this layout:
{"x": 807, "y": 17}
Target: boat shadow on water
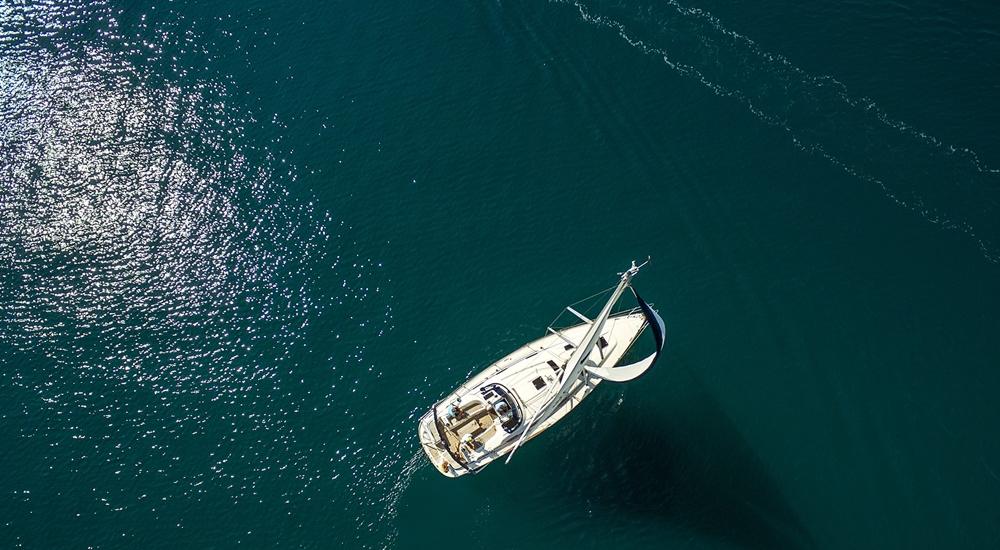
{"x": 689, "y": 467}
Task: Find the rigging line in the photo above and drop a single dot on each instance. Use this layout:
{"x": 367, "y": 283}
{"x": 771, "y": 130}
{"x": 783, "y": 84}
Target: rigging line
{"x": 531, "y": 423}
{"x": 550, "y": 353}
{"x": 595, "y": 304}
{"x": 596, "y": 294}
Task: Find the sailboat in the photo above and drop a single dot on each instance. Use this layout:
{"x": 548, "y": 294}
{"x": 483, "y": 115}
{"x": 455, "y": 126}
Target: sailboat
{"x": 523, "y": 394}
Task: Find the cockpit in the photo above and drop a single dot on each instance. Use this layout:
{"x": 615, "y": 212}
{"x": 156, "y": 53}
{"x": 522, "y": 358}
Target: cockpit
{"x": 503, "y": 410}
{"x": 504, "y": 405}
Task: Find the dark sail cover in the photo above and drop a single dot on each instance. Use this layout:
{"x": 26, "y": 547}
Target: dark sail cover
{"x": 655, "y": 323}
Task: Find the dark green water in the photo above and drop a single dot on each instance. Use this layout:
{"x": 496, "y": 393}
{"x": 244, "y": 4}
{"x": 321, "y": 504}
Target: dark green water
{"x": 244, "y": 245}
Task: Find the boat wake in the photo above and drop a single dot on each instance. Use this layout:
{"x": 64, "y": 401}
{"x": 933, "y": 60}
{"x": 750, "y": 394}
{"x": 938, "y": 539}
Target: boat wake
{"x": 375, "y": 497}
{"x": 946, "y": 184}
{"x": 399, "y": 486}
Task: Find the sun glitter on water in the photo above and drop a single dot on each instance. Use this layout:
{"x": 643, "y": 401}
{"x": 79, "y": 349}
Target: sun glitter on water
{"x": 158, "y": 278}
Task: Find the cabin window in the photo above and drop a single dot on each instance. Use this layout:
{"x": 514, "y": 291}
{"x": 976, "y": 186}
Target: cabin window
{"x": 539, "y": 383}
{"x": 568, "y": 347}
{"x": 602, "y": 342}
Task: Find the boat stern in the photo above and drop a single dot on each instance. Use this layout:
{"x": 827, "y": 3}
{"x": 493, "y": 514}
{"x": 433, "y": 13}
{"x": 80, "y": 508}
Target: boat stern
{"x": 436, "y": 448}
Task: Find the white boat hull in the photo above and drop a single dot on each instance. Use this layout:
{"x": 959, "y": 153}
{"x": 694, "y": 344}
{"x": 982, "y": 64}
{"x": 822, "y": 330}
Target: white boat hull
{"x": 528, "y": 374}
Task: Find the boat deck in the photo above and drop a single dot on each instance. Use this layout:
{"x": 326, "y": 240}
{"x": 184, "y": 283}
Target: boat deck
{"x": 475, "y": 419}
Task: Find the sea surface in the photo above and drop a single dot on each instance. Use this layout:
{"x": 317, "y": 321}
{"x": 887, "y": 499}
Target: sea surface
{"x": 244, "y": 245}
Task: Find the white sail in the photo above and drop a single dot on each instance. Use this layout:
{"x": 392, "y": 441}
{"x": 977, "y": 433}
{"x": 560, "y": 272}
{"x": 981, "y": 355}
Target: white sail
{"x": 626, "y": 373}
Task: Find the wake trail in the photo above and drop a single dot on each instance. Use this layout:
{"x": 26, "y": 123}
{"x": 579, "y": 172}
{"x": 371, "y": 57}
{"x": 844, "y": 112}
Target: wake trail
{"x": 399, "y": 485}
{"x": 945, "y": 184}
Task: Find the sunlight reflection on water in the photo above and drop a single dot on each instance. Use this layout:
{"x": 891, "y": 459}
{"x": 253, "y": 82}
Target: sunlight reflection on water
{"x": 158, "y": 277}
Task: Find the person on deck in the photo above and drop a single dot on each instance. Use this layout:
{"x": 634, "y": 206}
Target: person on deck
{"x": 470, "y": 442}
{"x": 451, "y": 413}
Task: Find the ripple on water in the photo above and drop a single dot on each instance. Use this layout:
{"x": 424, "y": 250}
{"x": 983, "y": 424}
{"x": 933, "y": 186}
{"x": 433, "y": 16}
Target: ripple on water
{"x": 158, "y": 278}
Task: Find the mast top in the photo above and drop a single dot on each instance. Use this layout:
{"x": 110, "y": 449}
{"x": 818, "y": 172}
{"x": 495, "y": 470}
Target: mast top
{"x": 627, "y": 275}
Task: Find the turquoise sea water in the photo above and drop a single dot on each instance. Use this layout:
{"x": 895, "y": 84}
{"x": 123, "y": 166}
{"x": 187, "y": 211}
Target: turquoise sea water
{"x": 245, "y": 245}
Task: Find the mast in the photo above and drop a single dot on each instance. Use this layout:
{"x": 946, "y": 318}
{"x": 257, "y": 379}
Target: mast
{"x": 574, "y": 367}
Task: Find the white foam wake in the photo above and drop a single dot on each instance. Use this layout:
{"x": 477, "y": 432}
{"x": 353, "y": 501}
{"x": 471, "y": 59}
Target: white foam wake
{"x": 946, "y": 184}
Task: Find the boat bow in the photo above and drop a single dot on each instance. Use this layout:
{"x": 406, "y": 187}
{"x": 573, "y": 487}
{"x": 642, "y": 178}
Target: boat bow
{"x": 626, "y": 373}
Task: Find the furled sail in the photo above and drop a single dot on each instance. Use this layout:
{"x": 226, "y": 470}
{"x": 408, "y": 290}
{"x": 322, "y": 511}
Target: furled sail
{"x": 625, "y": 373}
